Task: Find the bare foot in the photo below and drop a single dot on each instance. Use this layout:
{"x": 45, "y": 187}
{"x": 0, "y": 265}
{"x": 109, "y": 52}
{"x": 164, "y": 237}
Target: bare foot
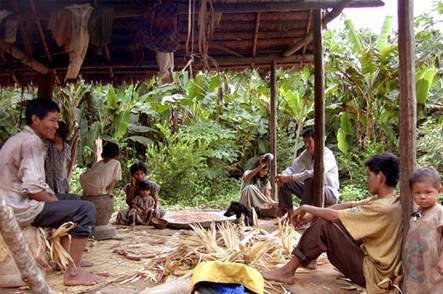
{"x": 79, "y": 277}
{"x": 312, "y": 265}
{"x": 85, "y": 263}
{"x": 280, "y": 275}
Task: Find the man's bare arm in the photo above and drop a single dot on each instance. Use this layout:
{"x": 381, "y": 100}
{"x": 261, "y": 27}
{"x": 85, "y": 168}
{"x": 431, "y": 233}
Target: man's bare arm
{"x": 44, "y": 196}
{"x": 325, "y": 213}
{"x": 340, "y": 206}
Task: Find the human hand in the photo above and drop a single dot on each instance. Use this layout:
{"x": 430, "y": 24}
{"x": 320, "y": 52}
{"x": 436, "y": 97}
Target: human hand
{"x": 157, "y": 213}
{"x": 281, "y": 179}
{"x": 52, "y": 198}
{"x": 440, "y": 265}
{"x": 301, "y": 217}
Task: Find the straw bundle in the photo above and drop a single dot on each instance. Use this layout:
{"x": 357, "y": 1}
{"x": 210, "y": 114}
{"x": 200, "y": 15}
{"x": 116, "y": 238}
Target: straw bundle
{"x": 54, "y": 246}
{"x": 227, "y": 242}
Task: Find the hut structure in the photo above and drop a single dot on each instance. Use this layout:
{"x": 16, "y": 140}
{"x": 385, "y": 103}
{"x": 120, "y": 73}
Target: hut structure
{"x": 119, "y": 40}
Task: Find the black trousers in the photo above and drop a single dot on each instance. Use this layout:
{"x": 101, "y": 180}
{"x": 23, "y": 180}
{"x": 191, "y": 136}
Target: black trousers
{"x": 68, "y": 208}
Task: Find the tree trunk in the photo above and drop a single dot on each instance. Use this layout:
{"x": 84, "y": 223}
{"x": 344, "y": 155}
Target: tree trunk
{"x": 20, "y": 252}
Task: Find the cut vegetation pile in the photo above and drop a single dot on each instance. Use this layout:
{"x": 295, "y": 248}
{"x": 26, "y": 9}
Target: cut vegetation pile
{"x": 227, "y": 242}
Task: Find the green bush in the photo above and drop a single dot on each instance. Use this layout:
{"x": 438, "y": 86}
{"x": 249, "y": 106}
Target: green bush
{"x": 177, "y": 165}
{"x": 430, "y": 145}
{"x": 353, "y": 192}
{"x": 353, "y": 172}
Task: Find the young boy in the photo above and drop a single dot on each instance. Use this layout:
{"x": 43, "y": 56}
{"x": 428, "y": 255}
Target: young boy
{"x": 142, "y": 209}
{"x": 362, "y": 239}
{"x": 424, "y": 242}
{"x": 101, "y": 178}
{"x": 138, "y": 173}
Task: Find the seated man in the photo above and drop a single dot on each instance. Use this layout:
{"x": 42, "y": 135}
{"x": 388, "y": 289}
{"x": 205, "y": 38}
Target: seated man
{"x": 139, "y": 173}
{"x": 362, "y": 239}
{"x": 23, "y": 186}
{"x": 298, "y": 178}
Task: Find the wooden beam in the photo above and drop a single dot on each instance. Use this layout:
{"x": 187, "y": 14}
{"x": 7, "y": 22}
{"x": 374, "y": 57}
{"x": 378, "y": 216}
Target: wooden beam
{"x": 408, "y": 111}
{"x": 264, "y": 59}
{"x": 45, "y": 86}
{"x": 254, "y": 7}
{"x": 273, "y": 129}
{"x": 136, "y": 11}
{"x": 20, "y": 55}
{"x": 40, "y": 30}
{"x": 308, "y": 29}
{"x": 43, "y": 38}
{"x": 214, "y": 45}
{"x": 319, "y": 110}
{"x": 328, "y": 18}
{"x": 255, "y": 38}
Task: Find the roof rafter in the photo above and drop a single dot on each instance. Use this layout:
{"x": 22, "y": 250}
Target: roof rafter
{"x": 326, "y": 19}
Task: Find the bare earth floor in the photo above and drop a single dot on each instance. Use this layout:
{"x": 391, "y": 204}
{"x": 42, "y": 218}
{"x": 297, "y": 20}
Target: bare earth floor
{"x": 322, "y": 280}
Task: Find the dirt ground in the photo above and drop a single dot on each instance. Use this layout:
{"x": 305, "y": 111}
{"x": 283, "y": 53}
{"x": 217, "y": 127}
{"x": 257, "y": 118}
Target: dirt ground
{"x": 322, "y": 280}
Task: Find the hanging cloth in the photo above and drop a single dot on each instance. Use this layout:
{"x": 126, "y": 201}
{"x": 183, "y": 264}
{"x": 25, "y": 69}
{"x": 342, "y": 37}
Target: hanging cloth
{"x": 60, "y": 24}
{"x": 10, "y": 31}
{"x": 4, "y": 13}
{"x": 79, "y": 38}
{"x": 69, "y": 27}
{"x": 165, "y": 61}
{"x": 100, "y": 26}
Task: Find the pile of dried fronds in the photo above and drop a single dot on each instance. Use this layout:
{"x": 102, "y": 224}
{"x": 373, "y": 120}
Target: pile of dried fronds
{"x": 53, "y": 240}
{"x": 252, "y": 246}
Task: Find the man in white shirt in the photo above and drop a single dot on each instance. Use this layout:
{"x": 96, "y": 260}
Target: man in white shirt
{"x": 23, "y": 186}
{"x": 298, "y": 178}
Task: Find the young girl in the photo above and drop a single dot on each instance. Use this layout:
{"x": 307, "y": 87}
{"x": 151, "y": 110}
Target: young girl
{"x": 58, "y": 157}
{"x": 424, "y": 242}
{"x": 142, "y": 208}
{"x": 256, "y": 187}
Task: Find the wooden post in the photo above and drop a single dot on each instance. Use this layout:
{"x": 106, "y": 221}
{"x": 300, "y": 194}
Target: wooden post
{"x": 273, "y": 129}
{"x": 45, "y": 86}
{"x": 319, "y": 109}
{"x": 13, "y": 237}
{"x": 408, "y": 111}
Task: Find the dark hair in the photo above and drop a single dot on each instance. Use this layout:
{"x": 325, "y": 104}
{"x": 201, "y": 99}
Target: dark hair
{"x": 39, "y": 107}
{"x": 62, "y": 130}
{"x": 135, "y": 167}
{"x": 425, "y": 173}
{"x": 386, "y": 163}
{"x": 110, "y": 150}
{"x": 308, "y": 133}
{"x": 143, "y": 186}
{"x": 257, "y": 177}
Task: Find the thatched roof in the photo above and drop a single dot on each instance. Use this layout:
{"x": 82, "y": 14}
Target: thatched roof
{"x": 247, "y": 33}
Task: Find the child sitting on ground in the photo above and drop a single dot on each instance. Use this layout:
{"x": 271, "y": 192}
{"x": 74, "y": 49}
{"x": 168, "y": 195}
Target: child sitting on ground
{"x": 142, "y": 208}
{"x": 424, "y": 242}
{"x": 139, "y": 173}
